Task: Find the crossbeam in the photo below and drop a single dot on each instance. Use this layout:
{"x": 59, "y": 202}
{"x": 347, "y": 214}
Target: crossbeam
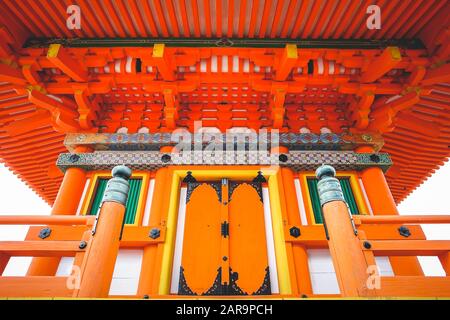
{"x": 428, "y": 219}
{"x": 40, "y": 248}
{"x": 11, "y": 74}
{"x": 409, "y": 247}
{"x": 44, "y": 220}
{"x": 221, "y": 42}
{"x": 39, "y": 286}
{"x": 414, "y": 286}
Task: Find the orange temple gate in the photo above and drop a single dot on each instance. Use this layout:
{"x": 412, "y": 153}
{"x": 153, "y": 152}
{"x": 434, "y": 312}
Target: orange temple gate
{"x": 178, "y": 143}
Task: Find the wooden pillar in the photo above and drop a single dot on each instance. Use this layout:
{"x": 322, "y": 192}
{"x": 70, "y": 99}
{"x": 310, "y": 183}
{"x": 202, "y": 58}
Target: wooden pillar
{"x": 150, "y": 251}
{"x": 66, "y": 203}
{"x": 104, "y": 245}
{"x": 4, "y": 259}
{"x": 299, "y": 252}
{"x": 382, "y": 203}
{"x": 344, "y": 244}
{"x": 445, "y": 261}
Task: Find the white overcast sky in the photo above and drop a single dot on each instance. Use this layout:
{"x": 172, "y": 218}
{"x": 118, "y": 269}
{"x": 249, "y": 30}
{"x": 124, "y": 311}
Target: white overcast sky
{"x": 432, "y": 197}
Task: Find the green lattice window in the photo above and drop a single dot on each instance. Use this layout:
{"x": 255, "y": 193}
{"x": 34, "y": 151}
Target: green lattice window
{"x": 132, "y": 202}
{"x": 315, "y": 202}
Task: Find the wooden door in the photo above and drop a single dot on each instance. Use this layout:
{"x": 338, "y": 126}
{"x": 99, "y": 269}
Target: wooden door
{"x": 224, "y": 244}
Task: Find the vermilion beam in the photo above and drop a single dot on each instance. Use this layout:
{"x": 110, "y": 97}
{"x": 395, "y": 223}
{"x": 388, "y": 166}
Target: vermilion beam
{"x": 385, "y": 62}
{"x": 62, "y": 60}
{"x": 384, "y": 116}
{"x": 11, "y": 74}
{"x": 437, "y": 75}
{"x": 39, "y": 119}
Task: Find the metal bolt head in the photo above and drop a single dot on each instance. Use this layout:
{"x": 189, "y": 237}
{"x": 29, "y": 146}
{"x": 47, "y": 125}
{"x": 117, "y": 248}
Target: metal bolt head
{"x": 404, "y": 231}
{"x": 45, "y": 233}
{"x": 283, "y": 157}
{"x": 295, "y": 232}
{"x": 166, "y": 158}
{"x": 154, "y": 233}
{"x": 74, "y": 158}
{"x": 367, "y": 245}
{"x": 83, "y": 244}
{"x": 375, "y": 158}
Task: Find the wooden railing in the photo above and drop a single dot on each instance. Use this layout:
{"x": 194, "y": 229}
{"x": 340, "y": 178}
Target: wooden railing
{"x": 378, "y": 236}
{"x": 381, "y": 236}
{"x": 71, "y": 236}
{"x": 408, "y": 245}
{"x": 44, "y": 286}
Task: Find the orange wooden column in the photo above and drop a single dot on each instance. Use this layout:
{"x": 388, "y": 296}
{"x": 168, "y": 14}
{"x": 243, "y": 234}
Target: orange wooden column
{"x": 4, "y": 259}
{"x": 66, "y": 203}
{"x": 104, "y": 246}
{"x": 445, "y": 261}
{"x": 345, "y": 248}
{"x": 299, "y": 251}
{"x": 382, "y": 203}
{"x": 149, "y": 255}
{"x": 152, "y": 255}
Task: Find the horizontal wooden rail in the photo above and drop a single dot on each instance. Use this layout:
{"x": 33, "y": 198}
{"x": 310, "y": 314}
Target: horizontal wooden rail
{"x": 132, "y": 236}
{"x": 431, "y": 219}
{"x": 40, "y": 248}
{"x": 414, "y": 286}
{"x": 314, "y": 236}
{"x": 46, "y": 220}
{"x": 408, "y": 247}
{"x": 39, "y": 286}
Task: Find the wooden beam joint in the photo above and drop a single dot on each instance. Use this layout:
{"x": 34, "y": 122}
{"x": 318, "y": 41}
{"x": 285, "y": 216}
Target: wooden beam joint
{"x": 67, "y": 64}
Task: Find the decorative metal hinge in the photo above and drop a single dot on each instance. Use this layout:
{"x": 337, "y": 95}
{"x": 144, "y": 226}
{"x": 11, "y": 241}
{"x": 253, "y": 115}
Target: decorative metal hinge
{"x": 225, "y": 229}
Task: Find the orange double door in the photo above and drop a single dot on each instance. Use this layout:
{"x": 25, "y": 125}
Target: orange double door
{"x": 224, "y": 243}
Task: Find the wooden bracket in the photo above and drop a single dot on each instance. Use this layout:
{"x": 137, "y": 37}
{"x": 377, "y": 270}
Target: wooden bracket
{"x": 383, "y": 116}
{"x": 386, "y": 61}
{"x": 86, "y": 108}
{"x": 163, "y": 62}
{"x": 63, "y": 117}
{"x": 286, "y": 63}
{"x": 171, "y": 106}
{"x": 278, "y": 95}
{"x": 62, "y": 60}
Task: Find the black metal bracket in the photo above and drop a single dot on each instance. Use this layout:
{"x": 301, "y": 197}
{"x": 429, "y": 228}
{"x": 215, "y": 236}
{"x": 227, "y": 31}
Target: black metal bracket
{"x": 189, "y": 178}
{"x": 225, "y": 229}
{"x": 259, "y": 178}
